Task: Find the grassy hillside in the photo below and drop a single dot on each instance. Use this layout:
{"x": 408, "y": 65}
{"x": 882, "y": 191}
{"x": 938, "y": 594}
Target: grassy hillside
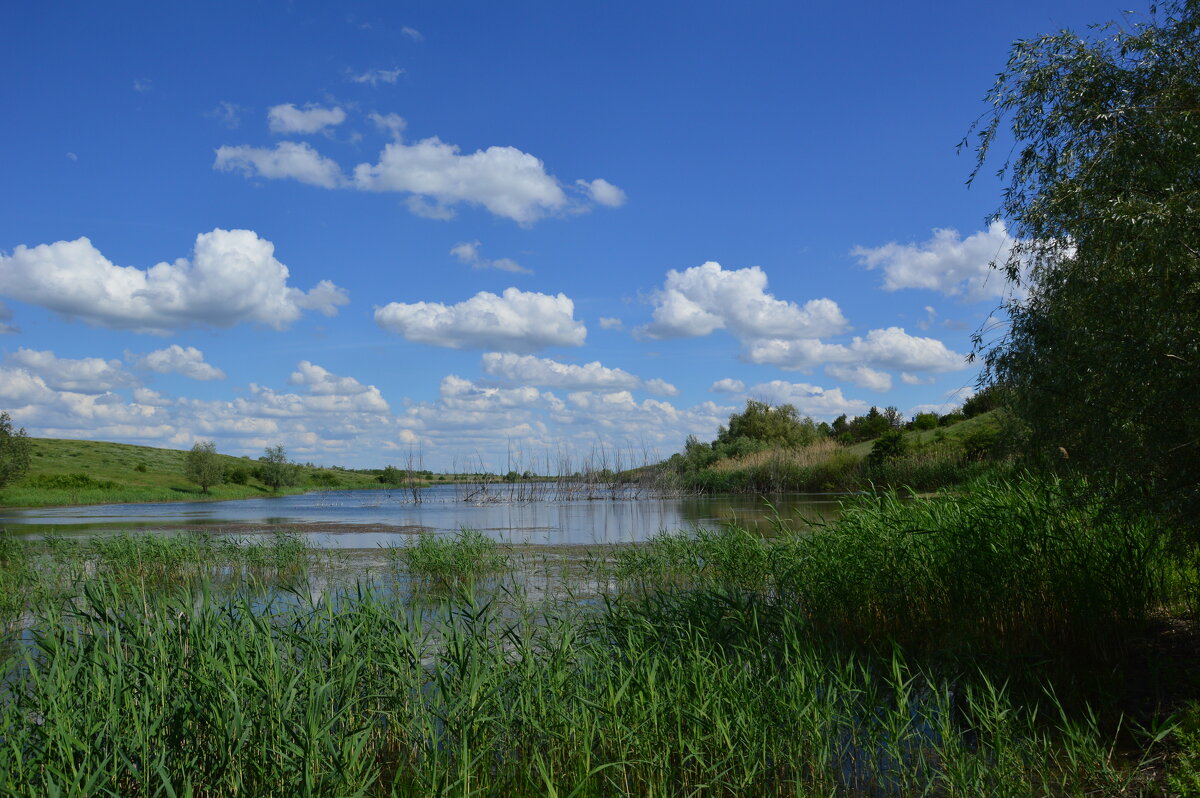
{"x": 97, "y": 472}
{"x": 932, "y": 459}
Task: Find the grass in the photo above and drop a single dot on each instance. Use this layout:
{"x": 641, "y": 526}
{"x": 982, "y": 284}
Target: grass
{"x": 438, "y": 559}
{"x": 97, "y": 472}
{"x": 913, "y": 647}
{"x": 935, "y": 459}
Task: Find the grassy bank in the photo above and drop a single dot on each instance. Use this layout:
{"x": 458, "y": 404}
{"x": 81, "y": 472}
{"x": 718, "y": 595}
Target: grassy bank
{"x": 64, "y": 472}
{"x": 978, "y": 644}
{"x": 928, "y": 460}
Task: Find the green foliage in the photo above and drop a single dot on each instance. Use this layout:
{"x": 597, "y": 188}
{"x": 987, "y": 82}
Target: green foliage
{"x": 275, "y": 470}
{"x": 890, "y": 445}
{"x": 14, "y": 451}
{"x": 237, "y": 476}
{"x": 467, "y": 555}
{"x": 924, "y": 421}
{"x": 203, "y": 466}
{"x": 391, "y": 476}
{"x": 760, "y": 423}
{"x": 324, "y": 478}
{"x": 1102, "y": 356}
{"x": 72, "y": 482}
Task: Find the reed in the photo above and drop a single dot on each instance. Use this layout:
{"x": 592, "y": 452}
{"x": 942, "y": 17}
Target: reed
{"x": 193, "y": 694}
{"x": 858, "y": 659}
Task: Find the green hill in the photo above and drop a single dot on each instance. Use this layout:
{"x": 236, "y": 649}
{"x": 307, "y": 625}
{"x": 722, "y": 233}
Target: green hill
{"x": 97, "y": 472}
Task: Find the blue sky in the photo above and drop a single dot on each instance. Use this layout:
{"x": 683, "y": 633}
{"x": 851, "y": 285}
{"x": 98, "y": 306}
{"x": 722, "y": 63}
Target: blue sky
{"x": 468, "y": 229}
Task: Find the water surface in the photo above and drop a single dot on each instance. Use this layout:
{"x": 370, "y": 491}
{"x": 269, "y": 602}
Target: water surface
{"x": 371, "y": 518}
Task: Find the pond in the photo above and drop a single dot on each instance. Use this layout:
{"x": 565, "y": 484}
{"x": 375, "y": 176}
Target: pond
{"x": 367, "y": 519}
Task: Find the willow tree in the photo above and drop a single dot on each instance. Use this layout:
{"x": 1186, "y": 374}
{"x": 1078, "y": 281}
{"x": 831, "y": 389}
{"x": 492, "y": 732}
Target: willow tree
{"x": 1103, "y": 195}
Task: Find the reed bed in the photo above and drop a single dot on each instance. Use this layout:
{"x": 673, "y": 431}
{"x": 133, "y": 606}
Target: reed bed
{"x": 859, "y": 659}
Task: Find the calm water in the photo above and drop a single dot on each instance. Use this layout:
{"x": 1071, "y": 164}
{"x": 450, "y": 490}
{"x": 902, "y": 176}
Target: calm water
{"x": 353, "y": 519}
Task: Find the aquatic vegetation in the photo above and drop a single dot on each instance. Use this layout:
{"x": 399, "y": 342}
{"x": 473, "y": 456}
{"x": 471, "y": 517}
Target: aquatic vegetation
{"x": 447, "y": 559}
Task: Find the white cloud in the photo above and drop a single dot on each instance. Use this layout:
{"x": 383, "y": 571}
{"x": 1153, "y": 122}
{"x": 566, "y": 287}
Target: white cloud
{"x": 188, "y": 361}
{"x": 893, "y": 348}
{"x": 603, "y": 192}
{"x": 861, "y": 376}
{"x": 143, "y": 85}
{"x": 393, "y": 123}
{"x": 890, "y": 348}
{"x": 72, "y": 156}
{"x": 530, "y": 370}
{"x": 413, "y": 34}
{"x": 293, "y": 159}
{"x": 377, "y": 76}
{"x": 610, "y": 323}
{"x": 660, "y": 387}
{"x": 913, "y": 379}
{"x": 321, "y": 382}
{"x": 946, "y": 263}
{"x": 145, "y": 396}
{"x": 91, "y": 375}
{"x": 468, "y": 252}
{"x": 727, "y": 385}
{"x": 809, "y": 400}
{"x": 312, "y": 118}
{"x": 705, "y": 298}
{"x": 517, "y": 321}
{"x": 437, "y": 176}
{"x": 547, "y": 373}
{"x": 506, "y": 181}
{"x": 233, "y": 277}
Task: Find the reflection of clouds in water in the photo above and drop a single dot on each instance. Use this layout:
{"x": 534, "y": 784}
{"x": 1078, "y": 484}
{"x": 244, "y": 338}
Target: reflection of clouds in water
{"x": 372, "y": 519}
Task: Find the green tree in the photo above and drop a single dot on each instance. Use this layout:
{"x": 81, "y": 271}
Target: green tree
{"x": 773, "y": 426}
{"x": 275, "y": 470}
{"x": 1104, "y": 201}
{"x": 14, "y": 451}
{"x": 203, "y": 465}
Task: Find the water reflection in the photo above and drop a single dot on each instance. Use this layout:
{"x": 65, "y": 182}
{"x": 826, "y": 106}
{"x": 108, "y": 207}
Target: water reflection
{"x": 374, "y": 518}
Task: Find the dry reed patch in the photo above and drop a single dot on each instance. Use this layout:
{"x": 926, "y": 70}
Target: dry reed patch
{"x": 814, "y": 454}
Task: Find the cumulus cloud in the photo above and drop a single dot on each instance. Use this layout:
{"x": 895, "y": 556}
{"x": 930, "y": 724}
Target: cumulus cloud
{"x": 188, "y": 361}
{"x": 376, "y": 76}
{"x": 660, "y": 387}
{"x": 91, "y": 375}
{"x": 861, "y": 376}
{"x": 468, "y": 252}
{"x": 547, "y": 373}
{"x": 602, "y": 192}
{"x": 392, "y": 123}
{"x": 293, "y": 159}
{"x": 312, "y": 118}
{"x": 505, "y": 180}
{"x": 809, "y": 400}
{"x": 436, "y": 175}
{"x": 610, "y": 323}
{"x": 890, "y": 348}
{"x": 727, "y": 385}
{"x": 706, "y": 298}
{"x": 530, "y": 370}
{"x": 322, "y": 382}
{"x": 516, "y": 321}
{"x": 946, "y": 263}
{"x": 232, "y": 277}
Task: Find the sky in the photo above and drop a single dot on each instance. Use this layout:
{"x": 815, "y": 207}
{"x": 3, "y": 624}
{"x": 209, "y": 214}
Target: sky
{"x": 485, "y": 233}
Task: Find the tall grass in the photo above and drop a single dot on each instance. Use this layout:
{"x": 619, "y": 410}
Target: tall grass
{"x": 439, "y": 559}
{"x": 192, "y": 694}
{"x": 858, "y": 659}
{"x": 1017, "y": 568}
